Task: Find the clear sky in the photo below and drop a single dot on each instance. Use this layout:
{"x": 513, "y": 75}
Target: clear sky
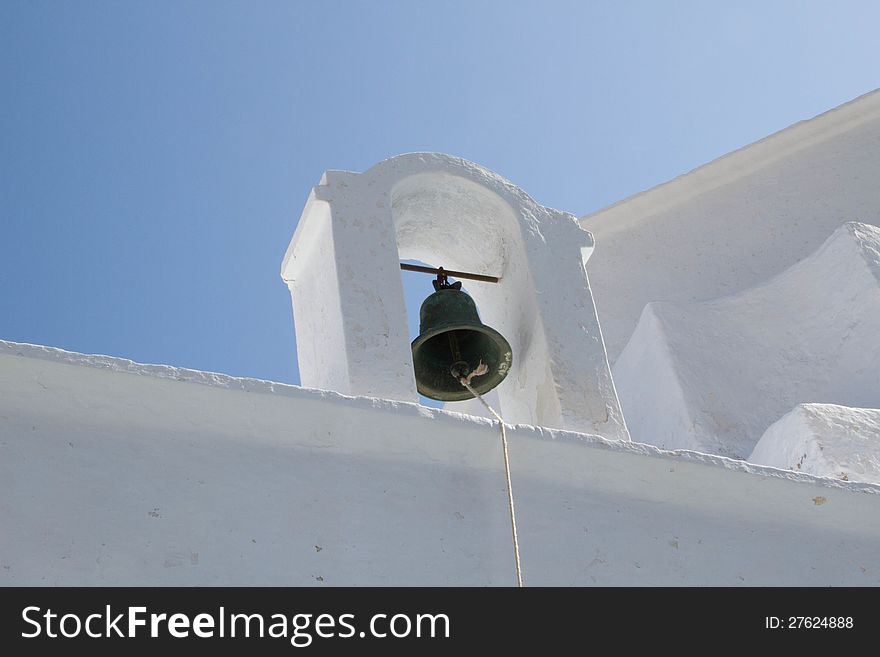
{"x": 155, "y": 156}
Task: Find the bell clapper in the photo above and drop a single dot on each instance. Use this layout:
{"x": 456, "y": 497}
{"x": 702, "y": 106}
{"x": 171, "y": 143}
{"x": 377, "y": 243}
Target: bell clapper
{"x": 460, "y": 367}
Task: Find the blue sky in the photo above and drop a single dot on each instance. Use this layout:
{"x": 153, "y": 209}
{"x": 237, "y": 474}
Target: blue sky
{"x": 155, "y": 156}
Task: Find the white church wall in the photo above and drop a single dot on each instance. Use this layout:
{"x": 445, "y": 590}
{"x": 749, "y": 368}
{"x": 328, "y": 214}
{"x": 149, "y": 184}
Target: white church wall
{"x": 113, "y": 472}
{"x": 738, "y": 220}
{"x": 828, "y": 440}
{"x": 713, "y": 376}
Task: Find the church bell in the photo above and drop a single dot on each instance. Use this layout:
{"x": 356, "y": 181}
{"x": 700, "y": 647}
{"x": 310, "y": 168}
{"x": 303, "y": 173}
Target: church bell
{"x": 453, "y": 342}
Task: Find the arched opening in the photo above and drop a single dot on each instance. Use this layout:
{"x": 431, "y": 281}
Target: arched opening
{"x": 446, "y": 220}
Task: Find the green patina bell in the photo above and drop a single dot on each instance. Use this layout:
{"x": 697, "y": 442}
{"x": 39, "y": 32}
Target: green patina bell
{"x": 452, "y": 342}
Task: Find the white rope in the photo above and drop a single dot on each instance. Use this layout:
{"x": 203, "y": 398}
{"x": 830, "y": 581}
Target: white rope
{"x": 481, "y": 369}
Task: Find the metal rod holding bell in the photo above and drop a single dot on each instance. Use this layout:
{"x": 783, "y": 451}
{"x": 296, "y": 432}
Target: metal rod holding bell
{"x": 455, "y": 274}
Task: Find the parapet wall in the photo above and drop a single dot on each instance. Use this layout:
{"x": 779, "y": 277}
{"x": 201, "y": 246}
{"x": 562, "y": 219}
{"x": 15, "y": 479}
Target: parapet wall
{"x": 117, "y": 473}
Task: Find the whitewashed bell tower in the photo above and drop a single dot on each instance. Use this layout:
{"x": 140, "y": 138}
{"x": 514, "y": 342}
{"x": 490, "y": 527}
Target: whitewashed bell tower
{"x": 342, "y": 268}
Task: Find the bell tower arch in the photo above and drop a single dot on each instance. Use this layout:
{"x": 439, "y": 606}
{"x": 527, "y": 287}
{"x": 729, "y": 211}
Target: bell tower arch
{"x": 342, "y": 269}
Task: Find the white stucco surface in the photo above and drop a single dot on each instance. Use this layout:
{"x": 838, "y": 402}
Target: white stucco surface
{"x": 826, "y": 440}
{"x": 113, "y": 472}
{"x": 737, "y": 221}
{"x": 713, "y": 376}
